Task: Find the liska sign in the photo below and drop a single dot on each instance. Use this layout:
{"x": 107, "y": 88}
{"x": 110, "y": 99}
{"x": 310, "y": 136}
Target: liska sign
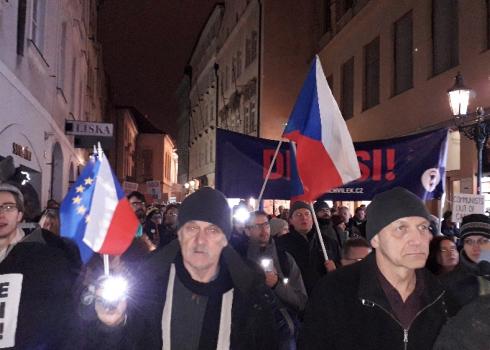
{"x": 88, "y": 134}
{"x": 77, "y": 128}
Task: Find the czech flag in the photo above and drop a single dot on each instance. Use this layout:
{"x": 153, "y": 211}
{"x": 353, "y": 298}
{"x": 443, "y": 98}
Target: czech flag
{"x": 96, "y": 214}
{"x": 325, "y": 155}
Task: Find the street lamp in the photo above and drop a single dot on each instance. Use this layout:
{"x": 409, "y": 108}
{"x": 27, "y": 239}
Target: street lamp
{"x": 473, "y": 125}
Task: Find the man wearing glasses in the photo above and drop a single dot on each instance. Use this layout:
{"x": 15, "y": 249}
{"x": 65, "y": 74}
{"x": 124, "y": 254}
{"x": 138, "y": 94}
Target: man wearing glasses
{"x": 35, "y": 283}
{"x": 137, "y": 201}
{"x": 282, "y": 274}
{"x": 466, "y": 281}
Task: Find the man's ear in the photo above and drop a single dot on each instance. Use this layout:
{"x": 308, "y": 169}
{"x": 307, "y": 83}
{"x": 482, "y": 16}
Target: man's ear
{"x": 20, "y": 215}
{"x": 375, "y": 241}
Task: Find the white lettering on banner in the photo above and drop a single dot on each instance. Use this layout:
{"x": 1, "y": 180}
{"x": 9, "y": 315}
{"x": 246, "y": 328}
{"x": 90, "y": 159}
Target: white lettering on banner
{"x": 10, "y": 291}
{"x": 347, "y": 190}
{"x": 466, "y": 204}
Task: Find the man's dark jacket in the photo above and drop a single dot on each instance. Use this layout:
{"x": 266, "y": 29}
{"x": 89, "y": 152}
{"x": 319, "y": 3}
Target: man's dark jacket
{"x": 308, "y": 254}
{"x": 254, "y": 306}
{"x": 46, "y": 310}
{"x": 469, "y": 329}
{"x": 349, "y": 310}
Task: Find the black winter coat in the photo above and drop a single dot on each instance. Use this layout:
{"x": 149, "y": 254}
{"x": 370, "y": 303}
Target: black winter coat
{"x": 253, "y": 312}
{"x": 308, "y": 254}
{"x": 349, "y": 310}
{"x": 46, "y": 309}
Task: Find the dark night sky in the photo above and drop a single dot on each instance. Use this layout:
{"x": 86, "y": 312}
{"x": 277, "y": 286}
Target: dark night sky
{"x": 146, "y": 44}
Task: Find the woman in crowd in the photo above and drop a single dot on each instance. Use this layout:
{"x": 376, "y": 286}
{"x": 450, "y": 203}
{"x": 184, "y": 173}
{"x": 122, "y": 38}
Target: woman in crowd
{"x": 443, "y": 255}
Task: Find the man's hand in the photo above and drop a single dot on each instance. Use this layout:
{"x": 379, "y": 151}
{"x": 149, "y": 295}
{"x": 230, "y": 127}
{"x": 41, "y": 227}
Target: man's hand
{"x": 271, "y": 279}
{"x": 329, "y": 265}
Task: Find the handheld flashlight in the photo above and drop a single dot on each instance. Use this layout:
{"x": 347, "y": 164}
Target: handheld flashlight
{"x": 241, "y": 215}
{"x": 111, "y": 290}
{"x": 266, "y": 264}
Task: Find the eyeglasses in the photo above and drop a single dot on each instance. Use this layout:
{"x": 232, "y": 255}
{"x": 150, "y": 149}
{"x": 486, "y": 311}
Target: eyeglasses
{"x": 7, "y": 207}
{"x": 171, "y": 214}
{"x": 259, "y": 226}
{"x": 137, "y": 204}
{"x": 446, "y": 250}
{"x": 479, "y": 241}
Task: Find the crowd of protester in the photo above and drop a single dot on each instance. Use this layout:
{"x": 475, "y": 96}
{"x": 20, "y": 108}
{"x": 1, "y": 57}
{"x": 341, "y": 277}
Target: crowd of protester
{"x": 201, "y": 276}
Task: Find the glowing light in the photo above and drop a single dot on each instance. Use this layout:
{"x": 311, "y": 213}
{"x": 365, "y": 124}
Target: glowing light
{"x": 241, "y": 214}
{"x": 114, "y": 288}
{"x": 266, "y": 264}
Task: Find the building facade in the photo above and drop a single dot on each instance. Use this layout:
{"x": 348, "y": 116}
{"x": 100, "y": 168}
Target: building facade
{"x": 50, "y": 71}
{"x": 390, "y": 64}
{"x": 183, "y": 122}
{"x": 146, "y": 158}
{"x": 248, "y": 66}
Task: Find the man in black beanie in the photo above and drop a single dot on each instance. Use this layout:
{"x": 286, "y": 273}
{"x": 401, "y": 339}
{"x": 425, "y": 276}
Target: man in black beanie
{"x": 303, "y": 244}
{"x": 196, "y": 292}
{"x": 388, "y": 300}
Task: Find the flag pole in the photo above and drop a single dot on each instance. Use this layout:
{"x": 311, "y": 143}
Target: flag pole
{"x": 269, "y": 172}
{"x": 315, "y": 220}
{"x": 106, "y": 264}
{"x": 320, "y": 238}
{"x": 439, "y": 211}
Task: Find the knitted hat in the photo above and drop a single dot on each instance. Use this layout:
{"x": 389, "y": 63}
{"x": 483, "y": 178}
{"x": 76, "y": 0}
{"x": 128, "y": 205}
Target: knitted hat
{"x": 475, "y": 224}
{"x": 392, "y": 205}
{"x": 299, "y": 205}
{"x": 6, "y": 187}
{"x": 320, "y": 205}
{"x": 277, "y": 225}
{"x": 206, "y": 204}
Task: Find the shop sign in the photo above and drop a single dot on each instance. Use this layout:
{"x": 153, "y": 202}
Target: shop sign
{"x": 73, "y": 127}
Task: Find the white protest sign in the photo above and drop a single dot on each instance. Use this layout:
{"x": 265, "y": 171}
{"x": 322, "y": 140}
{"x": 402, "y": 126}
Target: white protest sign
{"x": 10, "y": 290}
{"x": 466, "y": 204}
{"x": 129, "y": 187}
{"x": 153, "y": 188}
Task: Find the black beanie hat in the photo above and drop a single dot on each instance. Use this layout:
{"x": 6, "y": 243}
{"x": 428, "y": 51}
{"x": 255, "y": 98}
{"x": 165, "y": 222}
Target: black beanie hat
{"x": 392, "y": 205}
{"x": 206, "y": 204}
{"x": 320, "y": 205}
{"x": 475, "y": 224}
{"x": 299, "y": 205}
